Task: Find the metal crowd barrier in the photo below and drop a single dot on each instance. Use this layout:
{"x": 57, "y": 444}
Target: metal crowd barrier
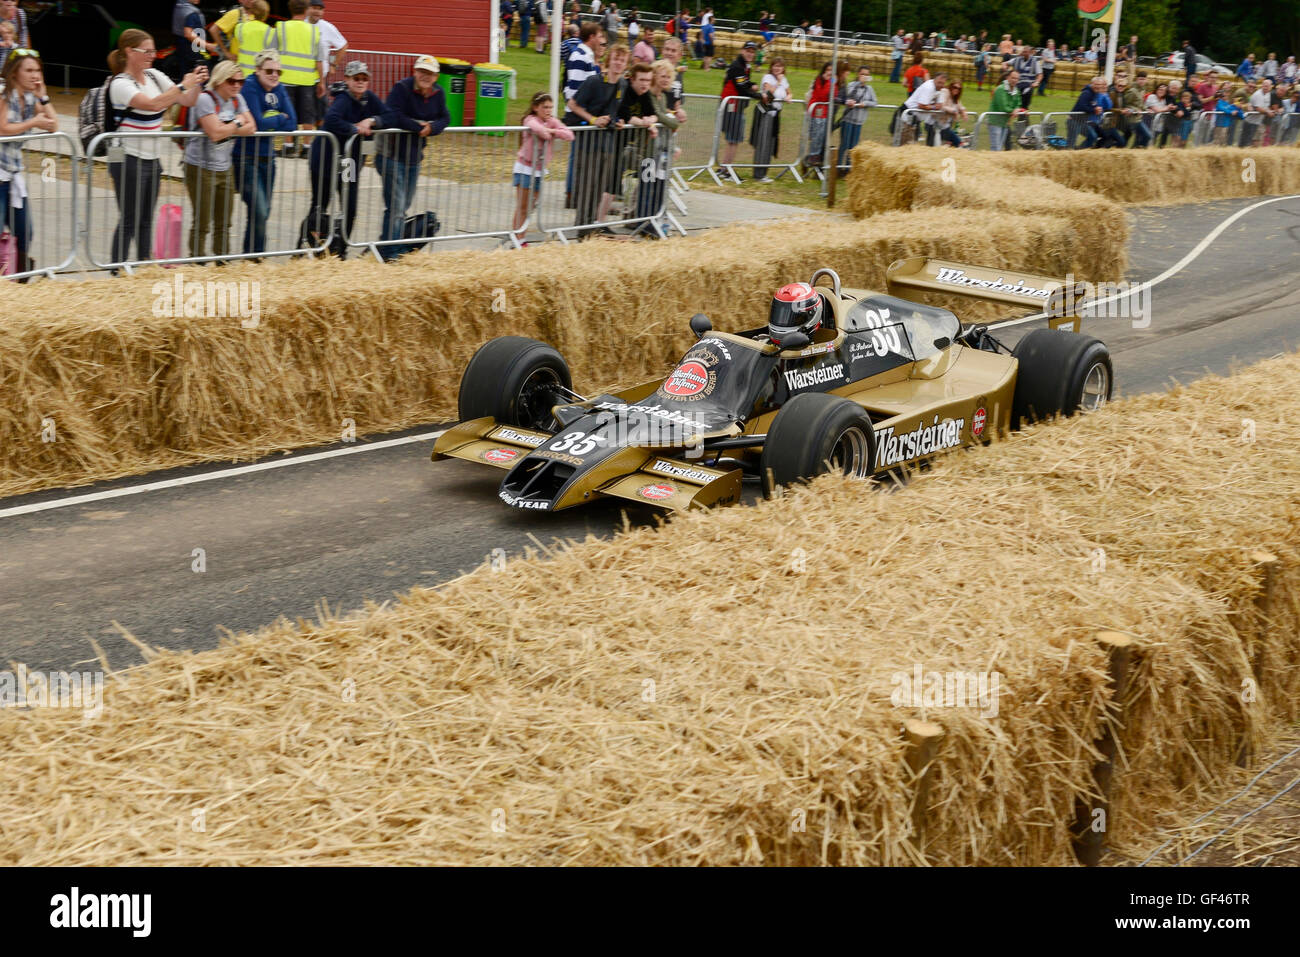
{"x": 621, "y": 178}
{"x": 382, "y": 187}
{"x": 696, "y": 138}
{"x": 43, "y": 224}
{"x": 1027, "y": 130}
{"x": 142, "y": 195}
{"x": 739, "y": 127}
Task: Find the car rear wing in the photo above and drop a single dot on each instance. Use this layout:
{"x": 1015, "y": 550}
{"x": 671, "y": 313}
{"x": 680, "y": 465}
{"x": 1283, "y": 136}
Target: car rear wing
{"x": 1052, "y": 297}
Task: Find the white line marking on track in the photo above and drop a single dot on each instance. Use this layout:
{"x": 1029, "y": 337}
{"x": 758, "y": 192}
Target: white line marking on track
{"x": 212, "y": 476}
{"x": 1173, "y": 270}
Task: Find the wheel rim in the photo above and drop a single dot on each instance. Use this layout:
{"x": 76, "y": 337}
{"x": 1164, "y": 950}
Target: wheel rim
{"x": 852, "y": 453}
{"x": 1096, "y": 387}
{"x": 540, "y": 392}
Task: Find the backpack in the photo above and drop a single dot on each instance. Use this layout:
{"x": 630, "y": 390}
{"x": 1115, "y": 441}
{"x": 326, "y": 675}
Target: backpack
{"x": 316, "y": 226}
{"x": 422, "y": 226}
{"x": 94, "y": 116}
{"x": 95, "y": 113}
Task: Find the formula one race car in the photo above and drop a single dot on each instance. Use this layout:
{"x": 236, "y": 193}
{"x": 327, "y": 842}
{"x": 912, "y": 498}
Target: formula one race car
{"x": 840, "y": 379}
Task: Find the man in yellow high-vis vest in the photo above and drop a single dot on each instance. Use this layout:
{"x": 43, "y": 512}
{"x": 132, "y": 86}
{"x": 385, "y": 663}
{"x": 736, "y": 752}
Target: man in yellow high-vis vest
{"x": 303, "y": 57}
{"x": 253, "y": 36}
{"x": 223, "y": 31}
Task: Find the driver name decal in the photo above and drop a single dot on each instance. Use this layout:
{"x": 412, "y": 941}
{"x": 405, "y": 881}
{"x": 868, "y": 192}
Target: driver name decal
{"x": 923, "y": 440}
{"x": 958, "y": 277}
{"x": 812, "y": 377}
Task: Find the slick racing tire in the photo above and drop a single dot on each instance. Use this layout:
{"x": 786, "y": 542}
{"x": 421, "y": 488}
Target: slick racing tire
{"x": 1060, "y": 373}
{"x": 516, "y": 381}
{"x": 815, "y": 433}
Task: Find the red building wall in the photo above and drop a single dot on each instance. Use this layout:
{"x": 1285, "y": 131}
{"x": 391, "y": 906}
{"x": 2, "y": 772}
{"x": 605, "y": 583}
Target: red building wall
{"x": 448, "y": 28}
{"x": 445, "y": 28}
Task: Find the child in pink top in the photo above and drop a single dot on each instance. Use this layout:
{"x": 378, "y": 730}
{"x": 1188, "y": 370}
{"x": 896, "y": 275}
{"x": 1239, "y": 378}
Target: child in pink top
{"x": 534, "y": 156}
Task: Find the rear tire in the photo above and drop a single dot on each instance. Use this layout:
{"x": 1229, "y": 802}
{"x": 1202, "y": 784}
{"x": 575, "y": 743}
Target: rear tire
{"x": 1060, "y": 373}
{"x": 815, "y": 433}
{"x": 516, "y": 381}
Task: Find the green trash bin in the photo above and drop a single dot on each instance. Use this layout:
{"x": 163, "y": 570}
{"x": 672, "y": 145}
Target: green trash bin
{"x": 451, "y": 77}
{"x": 496, "y": 84}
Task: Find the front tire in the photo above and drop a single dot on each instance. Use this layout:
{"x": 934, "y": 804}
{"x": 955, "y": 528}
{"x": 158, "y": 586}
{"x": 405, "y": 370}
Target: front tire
{"x": 815, "y": 433}
{"x": 1060, "y": 373}
{"x": 516, "y": 381}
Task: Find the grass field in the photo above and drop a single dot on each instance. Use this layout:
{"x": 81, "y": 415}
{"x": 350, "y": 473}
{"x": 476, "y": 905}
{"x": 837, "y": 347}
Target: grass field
{"x": 534, "y": 73}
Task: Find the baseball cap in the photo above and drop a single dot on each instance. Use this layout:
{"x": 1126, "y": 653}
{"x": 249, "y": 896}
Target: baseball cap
{"x": 354, "y": 67}
{"x": 750, "y": 45}
{"x": 425, "y": 62}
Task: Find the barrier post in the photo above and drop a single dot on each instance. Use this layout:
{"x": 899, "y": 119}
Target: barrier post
{"x": 1094, "y": 809}
{"x": 922, "y": 742}
{"x": 1256, "y": 635}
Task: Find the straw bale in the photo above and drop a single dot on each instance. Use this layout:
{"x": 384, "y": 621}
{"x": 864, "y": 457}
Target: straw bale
{"x": 519, "y": 698}
{"x": 918, "y": 176}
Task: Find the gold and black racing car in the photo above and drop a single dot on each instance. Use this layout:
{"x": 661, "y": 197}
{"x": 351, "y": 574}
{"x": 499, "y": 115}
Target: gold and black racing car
{"x": 842, "y": 379}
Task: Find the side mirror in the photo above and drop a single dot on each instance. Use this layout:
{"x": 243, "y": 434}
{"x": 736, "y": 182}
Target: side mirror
{"x": 943, "y": 342}
{"x": 700, "y": 324}
{"x": 795, "y": 341}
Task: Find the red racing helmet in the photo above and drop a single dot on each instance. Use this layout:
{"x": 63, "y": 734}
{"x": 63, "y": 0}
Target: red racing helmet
{"x": 796, "y": 307}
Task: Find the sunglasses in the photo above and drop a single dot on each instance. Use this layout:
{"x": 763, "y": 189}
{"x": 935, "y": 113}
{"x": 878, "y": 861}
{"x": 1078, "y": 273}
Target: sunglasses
{"x": 236, "y": 79}
{"x": 271, "y": 72}
{"x": 144, "y": 52}
{"x": 18, "y": 53}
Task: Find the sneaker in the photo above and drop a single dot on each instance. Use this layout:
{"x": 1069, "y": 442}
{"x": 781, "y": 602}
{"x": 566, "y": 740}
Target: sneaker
{"x": 767, "y": 179}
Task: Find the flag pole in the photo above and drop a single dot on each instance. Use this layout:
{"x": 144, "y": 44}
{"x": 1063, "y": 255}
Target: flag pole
{"x": 1113, "y": 42}
{"x": 830, "y": 106}
{"x": 557, "y": 19}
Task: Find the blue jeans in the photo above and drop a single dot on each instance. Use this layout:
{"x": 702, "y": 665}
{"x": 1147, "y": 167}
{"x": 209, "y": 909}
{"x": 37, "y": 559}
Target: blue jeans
{"x": 849, "y": 135}
{"x": 255, "y": 178}
{"x": 1141, "y": 136}
{"x": 1078, "y": 127}
{"x": 16, "y": 221}
{"x": 399, "y": 189}
{"x": 997, "y": 138}
{"x": 525, "y": 25}
{"x": 896, "y": 71}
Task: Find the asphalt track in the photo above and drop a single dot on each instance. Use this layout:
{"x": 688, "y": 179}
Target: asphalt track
{"x": 365, "y": 525}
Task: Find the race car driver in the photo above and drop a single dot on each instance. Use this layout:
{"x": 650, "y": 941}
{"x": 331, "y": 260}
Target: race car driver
{"x": 797, "y": 307}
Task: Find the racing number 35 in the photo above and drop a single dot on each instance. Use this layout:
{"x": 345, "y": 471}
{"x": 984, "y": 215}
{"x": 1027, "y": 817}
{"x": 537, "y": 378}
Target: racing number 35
{"x": 576, "y": 443}
{"x": 884, "y": 336}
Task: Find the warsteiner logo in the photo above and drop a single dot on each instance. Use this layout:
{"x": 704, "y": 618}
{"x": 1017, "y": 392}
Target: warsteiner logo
{"x": 958, "y": 277}
{"x": 924, "y": 439}
{"x": 812, "y": 377}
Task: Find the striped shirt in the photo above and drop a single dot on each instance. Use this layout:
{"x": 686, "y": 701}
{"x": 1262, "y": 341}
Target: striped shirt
{"x": 122, "y": 90}
{"x": 580, "y": 65}
{"x": 22, "y": 37}
{"x": 19, "y": 107}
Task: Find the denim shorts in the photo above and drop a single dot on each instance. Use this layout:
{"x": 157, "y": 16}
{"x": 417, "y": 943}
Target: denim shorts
{"x": 521, "y": 180}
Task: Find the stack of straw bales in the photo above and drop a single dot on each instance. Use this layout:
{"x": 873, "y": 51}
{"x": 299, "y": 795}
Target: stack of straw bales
{"x": 577, "y": 707}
